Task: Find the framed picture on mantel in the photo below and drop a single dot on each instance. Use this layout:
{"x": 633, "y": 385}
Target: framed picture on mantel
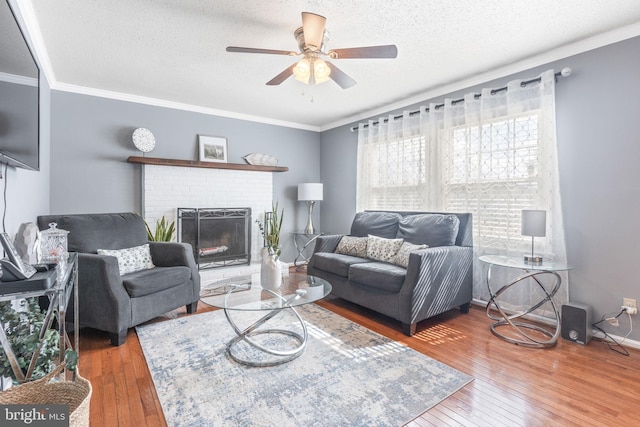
{"x": 213, "y": 149}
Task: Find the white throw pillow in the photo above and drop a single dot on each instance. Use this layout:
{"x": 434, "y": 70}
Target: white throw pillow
{"x": 131, "y": 259}
{"x": 354, "y": 246}
{"x": 402, "y": 257}
{"x": 382, "y": 249}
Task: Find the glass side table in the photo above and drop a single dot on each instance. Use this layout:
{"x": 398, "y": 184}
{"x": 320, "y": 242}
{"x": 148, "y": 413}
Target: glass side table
{"x": 521, "y": 330}
{"x": 59, "y": 297}
{"x": 302, "y": 241}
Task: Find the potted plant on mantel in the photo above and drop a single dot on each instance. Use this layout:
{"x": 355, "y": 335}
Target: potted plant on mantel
{"x": 271, "y": 269}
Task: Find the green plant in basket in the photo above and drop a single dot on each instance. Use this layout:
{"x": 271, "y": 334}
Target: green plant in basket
{"x": 271, "y": 230}
{"x": 21, "y": 327}
{"x": 164, "y": 231}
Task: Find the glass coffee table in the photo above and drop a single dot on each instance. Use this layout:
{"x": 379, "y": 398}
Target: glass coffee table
{"x": 245, "y": 294}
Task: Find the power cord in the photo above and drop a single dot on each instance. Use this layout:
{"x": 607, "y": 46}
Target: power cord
{"x": 608, "y": 338}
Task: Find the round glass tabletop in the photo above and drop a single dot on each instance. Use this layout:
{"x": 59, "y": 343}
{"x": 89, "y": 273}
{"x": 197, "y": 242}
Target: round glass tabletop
{"x": 246, "y": 293}
{"x": 505, "y": 261}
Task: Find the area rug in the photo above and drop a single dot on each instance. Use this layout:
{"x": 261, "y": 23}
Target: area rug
{"x": 347, "y": 376}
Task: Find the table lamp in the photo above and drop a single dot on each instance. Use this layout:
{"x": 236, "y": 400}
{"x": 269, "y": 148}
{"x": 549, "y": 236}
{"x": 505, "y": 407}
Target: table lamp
{"x": 309, "y": 192}
{"x": 534, "y": 224}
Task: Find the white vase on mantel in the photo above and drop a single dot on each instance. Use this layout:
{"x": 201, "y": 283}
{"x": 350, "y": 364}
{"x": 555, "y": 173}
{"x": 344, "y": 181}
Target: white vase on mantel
{"x": 270, "y": 271}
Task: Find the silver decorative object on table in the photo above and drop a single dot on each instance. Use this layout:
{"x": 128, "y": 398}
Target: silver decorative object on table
{"x": 27, "y": 242}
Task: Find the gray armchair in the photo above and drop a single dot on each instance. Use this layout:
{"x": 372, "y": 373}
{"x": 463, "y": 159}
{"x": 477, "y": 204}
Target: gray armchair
{"x": 112, "y": 302}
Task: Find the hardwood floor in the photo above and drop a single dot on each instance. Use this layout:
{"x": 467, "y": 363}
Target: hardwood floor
{"x": 568, "y": 384}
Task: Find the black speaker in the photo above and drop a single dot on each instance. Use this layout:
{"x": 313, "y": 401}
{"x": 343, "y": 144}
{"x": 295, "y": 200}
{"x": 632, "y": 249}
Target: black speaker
{"x": 576, "y": 322}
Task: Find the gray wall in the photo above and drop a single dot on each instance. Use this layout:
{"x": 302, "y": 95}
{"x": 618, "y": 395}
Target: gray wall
{"x": 91, "y": 140}
{"x": 598, "y": 132}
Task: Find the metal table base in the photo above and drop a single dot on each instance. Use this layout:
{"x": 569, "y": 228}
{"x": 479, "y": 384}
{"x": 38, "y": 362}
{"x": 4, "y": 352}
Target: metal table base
{"x": 282, "y": 355}
{"x": 523, "y": 337}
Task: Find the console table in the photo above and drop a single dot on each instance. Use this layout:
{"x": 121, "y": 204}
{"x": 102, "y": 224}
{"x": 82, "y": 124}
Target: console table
{"x": 59, "y": 296}
{"x": 521, "y": 335}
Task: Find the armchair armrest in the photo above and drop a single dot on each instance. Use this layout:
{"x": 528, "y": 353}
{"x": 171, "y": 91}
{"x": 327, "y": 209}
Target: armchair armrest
{"x": 171, "y": 254}
{"x": 437, "y": 280}
{"x": 103, "y": 300}
{"x": 327, "y": 243}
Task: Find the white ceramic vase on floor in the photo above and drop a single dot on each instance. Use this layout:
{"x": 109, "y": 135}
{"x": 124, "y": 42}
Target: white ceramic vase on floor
{"x": 270, "y": 271}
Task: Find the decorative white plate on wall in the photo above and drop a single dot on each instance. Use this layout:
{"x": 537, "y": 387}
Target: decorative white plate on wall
{"x": 144, "y": 140}
{"x": 261, "y": 159}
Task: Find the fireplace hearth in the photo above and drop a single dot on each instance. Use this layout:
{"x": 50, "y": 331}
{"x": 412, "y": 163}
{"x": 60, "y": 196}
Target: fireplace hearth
{"x": 220, "y": 237}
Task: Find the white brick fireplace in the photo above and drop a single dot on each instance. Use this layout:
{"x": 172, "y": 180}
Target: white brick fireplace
{"x": 167, "y": 188}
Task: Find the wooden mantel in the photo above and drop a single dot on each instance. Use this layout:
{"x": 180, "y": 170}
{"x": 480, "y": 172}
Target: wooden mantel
{"x": 210, "y": 165}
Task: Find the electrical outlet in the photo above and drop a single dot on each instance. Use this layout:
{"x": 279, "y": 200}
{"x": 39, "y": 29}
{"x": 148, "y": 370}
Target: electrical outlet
{"x": 630, "y": 306}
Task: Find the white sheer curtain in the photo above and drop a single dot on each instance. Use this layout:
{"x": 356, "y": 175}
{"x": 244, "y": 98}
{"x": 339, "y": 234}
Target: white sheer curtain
{"x": 395, "y": 163}
{"x": 492, "y": 155}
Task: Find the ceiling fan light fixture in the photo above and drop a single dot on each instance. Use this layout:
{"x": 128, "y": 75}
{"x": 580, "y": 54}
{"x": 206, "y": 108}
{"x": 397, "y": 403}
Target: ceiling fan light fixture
{"x": 311, "y": 71}
{"x": 312, "y": 38}
{"x": 302, "y": 70}
{"x": 321, "y": 71}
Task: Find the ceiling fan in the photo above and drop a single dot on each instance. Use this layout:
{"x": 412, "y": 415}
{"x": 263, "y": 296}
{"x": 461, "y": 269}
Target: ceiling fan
{"x": 312, "y": 69}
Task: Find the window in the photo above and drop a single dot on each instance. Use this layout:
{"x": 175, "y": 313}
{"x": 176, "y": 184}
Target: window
{"x": 492, "y": 169}
{"x": 396, "y": 174}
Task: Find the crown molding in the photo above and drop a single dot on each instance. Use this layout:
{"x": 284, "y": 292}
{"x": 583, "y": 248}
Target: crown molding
{"x": 83, "y": 90}
{"x": 20, "y": 80}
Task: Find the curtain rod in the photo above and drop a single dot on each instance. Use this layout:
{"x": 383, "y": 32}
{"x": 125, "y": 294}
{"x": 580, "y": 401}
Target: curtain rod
{"x": 565, "y": 72}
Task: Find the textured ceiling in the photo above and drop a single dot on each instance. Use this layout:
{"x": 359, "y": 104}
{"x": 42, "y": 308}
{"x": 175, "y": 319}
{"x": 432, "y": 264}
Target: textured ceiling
{"x": 174, "y": 50}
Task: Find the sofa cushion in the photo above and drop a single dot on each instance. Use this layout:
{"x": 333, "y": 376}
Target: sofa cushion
{"x": 381, "y": 249}
{"x": 336, "y": 263}
{"x": 378, "y": 275}
{"x": 402, "y": 257}
{"x": 355, "y": 246}
{"x": 429, "y": 229}
{"x": 146, "y": 282}
{"x": 382, "y": 224}
{"x": 131, "y": 259}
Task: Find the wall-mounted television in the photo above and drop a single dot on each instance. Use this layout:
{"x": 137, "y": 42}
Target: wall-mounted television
{"x": 19, "y": 95}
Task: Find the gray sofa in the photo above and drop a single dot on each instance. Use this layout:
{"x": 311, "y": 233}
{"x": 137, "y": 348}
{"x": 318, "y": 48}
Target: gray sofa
{"x": 436, "y": 279}
{"x": 112, "y": 302}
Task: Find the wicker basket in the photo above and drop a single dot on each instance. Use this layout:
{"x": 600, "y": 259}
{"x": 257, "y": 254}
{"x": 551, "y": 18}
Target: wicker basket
{"x": 76, "y": 394}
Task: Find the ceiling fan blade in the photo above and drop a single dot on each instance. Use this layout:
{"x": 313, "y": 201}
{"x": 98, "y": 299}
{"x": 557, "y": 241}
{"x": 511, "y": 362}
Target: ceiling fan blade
{"x": 282, "y": 76}
{"x": 340, "y": 77}
{"x": 254, "y": 50}
{"x": 313, "y": 28}
{"x": 385, "y": 51}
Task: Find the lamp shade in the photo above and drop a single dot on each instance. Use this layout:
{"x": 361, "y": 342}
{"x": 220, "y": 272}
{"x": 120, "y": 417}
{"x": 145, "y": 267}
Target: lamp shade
{"x": 310, "y": 191}
{"x": 534, "y": 223}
